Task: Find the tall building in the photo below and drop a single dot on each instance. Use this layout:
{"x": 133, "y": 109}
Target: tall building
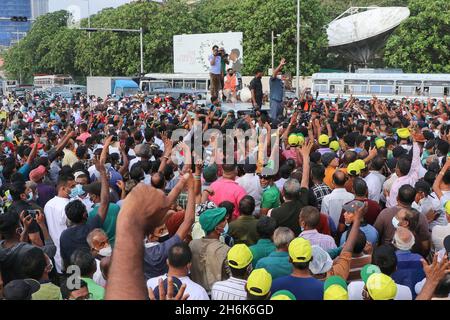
{"x": 39, "y": 8}
{"x": 13, "y": 31}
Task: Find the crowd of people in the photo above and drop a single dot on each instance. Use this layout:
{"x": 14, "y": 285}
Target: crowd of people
{"x": 337, "y": 199}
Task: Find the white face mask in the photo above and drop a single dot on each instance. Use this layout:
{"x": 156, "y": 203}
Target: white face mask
{"x": 395, "y": 222}
{"x": 105, "y": 252}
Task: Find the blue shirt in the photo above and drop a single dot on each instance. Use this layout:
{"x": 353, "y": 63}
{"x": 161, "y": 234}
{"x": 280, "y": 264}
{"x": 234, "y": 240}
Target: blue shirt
{"x": 276, "y": 89}
{"x": 155, "y": 257}
{"x": 409, "y": 269}
{"x": 217, "y": 67}
{"x": 25, "y": 170}
{"x": 302, "y": 288}
{"x": 370, "y": 232}
{"x": 277, "y": 264}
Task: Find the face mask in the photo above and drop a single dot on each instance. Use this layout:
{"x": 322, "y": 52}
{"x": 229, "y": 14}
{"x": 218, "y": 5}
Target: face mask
{"x": 1, "y": 168}
{"x": 164, "y": 237}
{"x": 225, "y": 229}
{"x": 395, "y": 222}
{"x": 30, "y": 196}
{"x": 105, "y": 252}
{"x": 265, "y": 188}
{"x": 76, "y": 191}
{"x": 348, "y": 224}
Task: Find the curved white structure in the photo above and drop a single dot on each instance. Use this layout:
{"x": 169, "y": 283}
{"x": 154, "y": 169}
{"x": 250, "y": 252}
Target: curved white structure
{"x": 360, "y": 34}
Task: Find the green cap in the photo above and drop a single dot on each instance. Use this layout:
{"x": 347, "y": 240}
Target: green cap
{"x": 334, "y": 280}
{"x": 211, "y": 218}
{"x": 210, "y": 172}
{"x": 283, "y": 295}
{"x": 368, "y": 270}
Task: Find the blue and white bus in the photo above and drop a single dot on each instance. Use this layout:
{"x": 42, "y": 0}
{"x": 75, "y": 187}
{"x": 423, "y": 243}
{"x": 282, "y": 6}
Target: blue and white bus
{"x": 382, "y": 85}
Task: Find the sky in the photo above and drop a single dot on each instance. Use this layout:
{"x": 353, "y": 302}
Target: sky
{"x": 81, "y": 6}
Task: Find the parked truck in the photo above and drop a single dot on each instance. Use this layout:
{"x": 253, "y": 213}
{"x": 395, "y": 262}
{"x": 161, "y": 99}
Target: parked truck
{"x": 115, "y": 86}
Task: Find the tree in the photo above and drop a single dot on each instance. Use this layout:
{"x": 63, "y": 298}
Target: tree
{"x": 421, "y": 44}
{"x": 257, "y": 18}
{"x": 27, "y": 57}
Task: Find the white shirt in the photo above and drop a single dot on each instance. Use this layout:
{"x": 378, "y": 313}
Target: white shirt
{"x": 98, "y": 276}
{"x": 55, "y": 216}
{"x": 438, "y": 235}
{"x": 280, "y": 183}
{"x": 387, "y": 185}
{"x": 250, "y": 182}
{"x": 333, "y": 202}
{"x": 374, "y": 183}
{"x": 195, "y": 291}
{"x": 231, "y": 289}
{"x": 355, "y": 289}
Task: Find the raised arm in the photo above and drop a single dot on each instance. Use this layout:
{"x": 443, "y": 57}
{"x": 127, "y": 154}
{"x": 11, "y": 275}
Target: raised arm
{"x": 33, "y": 152}
{"x": 278, "y": 69}
{"x": 189, "y": 215}
{"x": 144, "y": 207}
{"x": 440, "y": 176}
{"x": 104, "y": 194}
{"x": 352, "y": 237}
{"x": 305, "y": 151}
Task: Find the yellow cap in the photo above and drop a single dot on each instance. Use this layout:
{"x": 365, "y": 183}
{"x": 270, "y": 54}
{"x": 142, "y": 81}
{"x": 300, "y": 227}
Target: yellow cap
{"x": 403, "y": 133}
{"x": 353, "y": 169}
{"x": 447, "y": 207}
{"x": 283, "y": 295}
{"x": 335, "y": 292}
{"x": 239, "y": 256}
{"x": 361, "y": 164}
{"x": 324, "y": 140}
{"x": 293, "y": 140}
{"x": 381, "y": 287}
{"x": 334, "y": 145}
{"x": 300, "y": 250}
{"x": 380, "y": 143}
{"x": 259, "y": 282}
{"x": 301, "y": 139}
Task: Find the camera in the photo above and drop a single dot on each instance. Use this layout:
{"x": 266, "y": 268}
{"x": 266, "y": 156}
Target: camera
{"x": 32, "y": 213}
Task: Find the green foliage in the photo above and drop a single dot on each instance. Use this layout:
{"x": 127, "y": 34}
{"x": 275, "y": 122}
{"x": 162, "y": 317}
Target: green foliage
{"x": 421, "y": 44}
{"x": 257, "y": 18}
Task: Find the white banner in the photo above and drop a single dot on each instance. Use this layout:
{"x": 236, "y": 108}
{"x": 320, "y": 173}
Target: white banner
{"x": 191, "y": 51}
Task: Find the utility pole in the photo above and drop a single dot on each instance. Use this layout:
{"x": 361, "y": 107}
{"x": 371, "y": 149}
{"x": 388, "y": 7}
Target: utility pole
{"x": 297, "y": 89}
{"x": 273, "y": 58}
{"x": 140, "y": 31}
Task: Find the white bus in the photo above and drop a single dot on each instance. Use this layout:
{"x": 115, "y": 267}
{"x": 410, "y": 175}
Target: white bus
{"x": 175, "y": 83}
{"x": 8, "y": 86}
{"x": 382, "y": 85}
{"x": 51, "y": 81}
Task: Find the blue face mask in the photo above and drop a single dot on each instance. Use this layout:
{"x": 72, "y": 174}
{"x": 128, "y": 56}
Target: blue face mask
{"x": 30, "y": 196}
{"x": 390, "y": 154}
{"x": 77, "y": 191}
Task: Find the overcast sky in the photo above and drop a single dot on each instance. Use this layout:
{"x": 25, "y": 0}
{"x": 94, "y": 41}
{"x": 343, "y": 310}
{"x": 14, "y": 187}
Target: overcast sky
{"x": 81, "y": 6}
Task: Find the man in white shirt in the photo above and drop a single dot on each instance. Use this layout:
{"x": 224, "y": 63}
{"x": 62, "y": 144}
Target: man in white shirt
{"x": 375, "y": 179}
{"x": 251, "y": 183}
{"x": 332, "y": 203}
{"x": 55, "y": 214}
{"x": 179, "y": 262}
{"x": 239, "y": 260}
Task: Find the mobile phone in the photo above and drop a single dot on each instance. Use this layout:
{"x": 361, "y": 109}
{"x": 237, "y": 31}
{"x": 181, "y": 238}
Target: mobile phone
{"x": 32, "y": 213}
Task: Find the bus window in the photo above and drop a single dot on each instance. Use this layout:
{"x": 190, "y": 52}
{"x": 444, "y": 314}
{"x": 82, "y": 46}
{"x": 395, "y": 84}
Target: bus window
{"x": 436, "y": 91}
{"x": 189, "y": 84}
{"x": 201, "y": 85}
{"x": 387, "y": 89}
{"x": 178, "y": 84}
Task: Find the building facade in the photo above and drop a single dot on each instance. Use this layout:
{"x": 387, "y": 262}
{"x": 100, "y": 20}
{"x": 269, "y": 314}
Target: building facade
{"x": 12, "y": 31}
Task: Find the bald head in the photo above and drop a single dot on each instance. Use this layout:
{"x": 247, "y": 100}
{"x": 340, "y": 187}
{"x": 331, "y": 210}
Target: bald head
{"x": 339, "y": 178}
{"x": 403, "y": 239}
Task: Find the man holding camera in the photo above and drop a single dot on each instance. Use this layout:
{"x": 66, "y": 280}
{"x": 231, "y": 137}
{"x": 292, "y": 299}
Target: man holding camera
{"x": 215, "y": 71}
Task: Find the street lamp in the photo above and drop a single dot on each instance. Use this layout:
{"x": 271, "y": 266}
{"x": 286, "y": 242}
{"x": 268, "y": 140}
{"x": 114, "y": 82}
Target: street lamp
{"x": 273, "y": 38}
{"x": 89, "y": 35}
{"x": 140, "y": 31}
{"x": 297, "y": 89}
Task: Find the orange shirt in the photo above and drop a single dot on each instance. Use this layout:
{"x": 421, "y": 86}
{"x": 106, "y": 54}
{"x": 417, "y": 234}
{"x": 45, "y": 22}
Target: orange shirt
{"x": 329, "y": 171}
{"x": 230, "y": 83}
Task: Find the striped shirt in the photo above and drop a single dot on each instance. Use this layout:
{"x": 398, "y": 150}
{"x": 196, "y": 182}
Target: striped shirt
{"x": 231, "y": 289}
